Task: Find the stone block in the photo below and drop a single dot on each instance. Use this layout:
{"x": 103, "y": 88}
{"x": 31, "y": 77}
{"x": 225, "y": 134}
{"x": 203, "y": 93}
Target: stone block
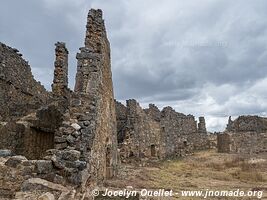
{"x": 15, "y": 161}
{"x": 76, "y": 126}
{"x": 5, "y": 153}
{"x": 46, "y": 196}
{"x": 71, "y": 155}
{"x": 44, "y": 166}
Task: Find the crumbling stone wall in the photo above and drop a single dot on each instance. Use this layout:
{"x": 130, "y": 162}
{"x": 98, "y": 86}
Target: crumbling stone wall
{"x": 142, "y": 133}
{"x": 61, "y": 92}
{"x": 95, "y": 67}
{"x": 246, "y": 134}
{"x": 224, "y": 141}
{"x": 244, "y": 143}
{"x": 89, "y": 125}
{"x": 11, "y": 136}
{"x": 202, "y": 125}
{"x": 247, "y": 123}
{"x": 32, "y": 135}
{"x": 60, "y": 83}
{"x": 151, "y": 133}
{"x": 76, "y": 141}
{"x": 20, "y": 93}
{"x": 177, "y": 128}
{"x": 121, "y": 118}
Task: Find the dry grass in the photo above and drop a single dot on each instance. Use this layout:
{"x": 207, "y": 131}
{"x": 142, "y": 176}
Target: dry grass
{"x": 209, "y": 171}
{"x": 204, "y": 170}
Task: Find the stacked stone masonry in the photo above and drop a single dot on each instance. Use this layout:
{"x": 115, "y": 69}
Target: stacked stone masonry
{"x": 246, "y": 135}
{"x": 72, "y": 138}
{"x": 151, "y": 133}
{"x": 20, "y": 94}
{"x": 60, "y": 83}
{"x": 202, "y": 125}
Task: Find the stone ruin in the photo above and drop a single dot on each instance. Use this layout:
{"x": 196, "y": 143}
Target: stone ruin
{"x": 18, "y": 88}
{"x": 77, "y": 138}
{"x": 153, "y": 134}
{"x": 246, "y": 134}
{"x": 65, "y": 137}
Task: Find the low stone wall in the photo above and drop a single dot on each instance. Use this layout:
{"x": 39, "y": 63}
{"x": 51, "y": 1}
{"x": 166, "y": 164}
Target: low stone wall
{"x": 246, "y": 134}
{"x": 245, "y": 142}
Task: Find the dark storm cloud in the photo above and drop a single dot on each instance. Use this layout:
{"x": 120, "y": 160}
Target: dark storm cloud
{"x": 202, "y": 57}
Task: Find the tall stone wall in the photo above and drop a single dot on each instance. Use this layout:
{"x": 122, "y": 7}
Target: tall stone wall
{"x": 121, "y": 117}
{"x": 142, "y": 134}
{"x": 202, "y": 125}
{"x": 60, "y": 82}
{"x": 178, "y": 129}
{"x": 89, "y": 129}
{"x": 94, "y": 79}
{"x": 20, "y": 93}
{"x": 76, "y": 141}
{"x": 61, "y": 92}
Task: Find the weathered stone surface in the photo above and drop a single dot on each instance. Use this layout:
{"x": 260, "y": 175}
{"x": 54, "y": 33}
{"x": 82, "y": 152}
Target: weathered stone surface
{"x": 94, "y": 85}
{"x": 46, "y": 196}
{"x": 37, "y": 184}
{"x": 57, "y": 162}
{"x": 20, "y": 93}
{"x": 60, "y": 83}
{"x": 246, "y": 134}
{"x": 80, "y": 125}
{"x": 71, "y": 155}
{"x": 70, "y": 139}
{"x": 33, "y": 134}
{"x": 242, "y": 142}
{"x": 14, "y": 161}
{"x": 76, "y": 126}
{"x": 44, "y": 166}
{"x": 202, "y": 125}
{"x": 5, "y": 153}
{"x": 48, "y": 119}
{"x": 151, "y": 133}
{"x": 247, "y": 123}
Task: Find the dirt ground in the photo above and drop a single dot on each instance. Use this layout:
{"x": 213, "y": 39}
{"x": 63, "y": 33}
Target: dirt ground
{"x": 206, "y": 170}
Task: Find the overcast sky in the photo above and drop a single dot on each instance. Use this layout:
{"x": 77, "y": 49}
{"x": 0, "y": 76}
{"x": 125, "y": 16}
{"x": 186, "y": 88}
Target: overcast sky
{"x": 202, "y": 57}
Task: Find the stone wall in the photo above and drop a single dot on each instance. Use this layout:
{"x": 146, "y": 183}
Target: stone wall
{"x": 246, "y": 134}
{"x": 141, "y": 133}
{"x": 244, "y": 143}
{"x": 94, "y": 62}
{"x": 74, "y": 137}
{"x": 89, "y": 125}
{"x": 32, "y": 135}
{"x": 202, "y": 125}
{"x": 247, "y": 123}
{"x": 60, "y": 82}
{"x": 151, "y": 133}
{"x": 121, "y": 118}
{"x": 20, "y": 93}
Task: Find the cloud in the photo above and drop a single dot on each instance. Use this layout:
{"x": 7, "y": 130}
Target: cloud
{"x": 207, "y": 58}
